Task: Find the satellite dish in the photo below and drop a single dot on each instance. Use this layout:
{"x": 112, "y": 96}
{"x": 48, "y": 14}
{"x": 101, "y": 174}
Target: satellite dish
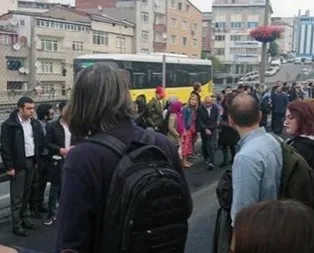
{"x": 16, "y": 47}
{"x": 22, "y": 70}
{"x": 13, "y": 22}
{"x": 99, "y": 7}
{"x": 26, "y": 71}
{"x": 37, "y": 64}
{"x": 164, "y": 36}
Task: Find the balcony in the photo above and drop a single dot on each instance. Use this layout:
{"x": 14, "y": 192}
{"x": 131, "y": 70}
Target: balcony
{"x": 160, "y": 28}
{"x": 160, "y": 46}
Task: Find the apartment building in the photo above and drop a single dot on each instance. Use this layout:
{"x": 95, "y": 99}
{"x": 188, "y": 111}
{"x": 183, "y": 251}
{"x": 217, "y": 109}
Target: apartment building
{"x": 141, "y": 13}
{"x": 233, "y": 20}
{"x": 7, "y": 5}
{"x": 61, "y": 34}
{"x": 304, "y": 35}
{"x": 286, "y": 42}
{"x": 160, "y": 26}
{"x": 184, "y": 28}
{"x": 207, "y": 34}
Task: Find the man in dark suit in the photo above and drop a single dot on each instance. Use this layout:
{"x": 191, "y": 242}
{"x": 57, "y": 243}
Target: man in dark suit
{"x": 208, "y": 115}
{"x": 21, "y": 144}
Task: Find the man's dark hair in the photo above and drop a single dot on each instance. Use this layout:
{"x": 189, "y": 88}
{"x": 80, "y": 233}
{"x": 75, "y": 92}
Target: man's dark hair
{"x": 244, "y": 110}
{"x": 24, "y": 100}
{"x": 43, "y": 111}
{"x": 62, "y": 105}
{"x": 240, "y": 86}
{"x": 228, "y": 87}
{"x": 100, "y": 100}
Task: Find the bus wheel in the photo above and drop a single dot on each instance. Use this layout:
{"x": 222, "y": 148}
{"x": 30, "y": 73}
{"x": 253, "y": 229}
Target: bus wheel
{"x": 141, "y": 98}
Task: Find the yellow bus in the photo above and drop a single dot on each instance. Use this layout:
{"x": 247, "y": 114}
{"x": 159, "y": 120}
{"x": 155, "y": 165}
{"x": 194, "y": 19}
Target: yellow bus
{"x": 146, "y": 73}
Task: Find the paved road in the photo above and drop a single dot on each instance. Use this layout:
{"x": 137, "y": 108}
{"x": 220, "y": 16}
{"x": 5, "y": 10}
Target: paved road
{"x": 287, "y": 72}
{"x": 202, "y": 184}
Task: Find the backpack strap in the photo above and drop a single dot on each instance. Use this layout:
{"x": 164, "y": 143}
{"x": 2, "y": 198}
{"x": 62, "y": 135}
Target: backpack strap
{"x": 109, "y": 141}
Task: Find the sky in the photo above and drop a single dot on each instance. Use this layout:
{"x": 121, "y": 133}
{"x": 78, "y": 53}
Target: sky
{"x": 282, "y": 8}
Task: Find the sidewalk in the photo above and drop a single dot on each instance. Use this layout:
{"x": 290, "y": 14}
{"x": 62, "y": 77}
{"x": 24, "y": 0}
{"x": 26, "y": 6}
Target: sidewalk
{"x": 42, "y": 239}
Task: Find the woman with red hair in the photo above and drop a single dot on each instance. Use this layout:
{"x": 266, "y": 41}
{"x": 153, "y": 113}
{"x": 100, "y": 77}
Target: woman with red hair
{"x": 299, "y": 123}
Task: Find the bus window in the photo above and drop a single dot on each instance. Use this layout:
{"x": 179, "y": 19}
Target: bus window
{"x": 138, "y": 80}
{"x": 156, "y": 79}
{"x": 183, "y": 77}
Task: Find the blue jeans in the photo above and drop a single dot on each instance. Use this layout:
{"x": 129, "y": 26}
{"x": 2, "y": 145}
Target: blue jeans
{"x": 53, "y": 198}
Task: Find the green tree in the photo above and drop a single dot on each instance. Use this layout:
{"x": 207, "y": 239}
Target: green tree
{"x": 217, "y": 65}
{"x": 273, "y": 49}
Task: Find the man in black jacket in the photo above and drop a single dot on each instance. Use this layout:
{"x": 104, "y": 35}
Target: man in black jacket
{"x": 208, "y": 114}
{"x": 21, "y": 144}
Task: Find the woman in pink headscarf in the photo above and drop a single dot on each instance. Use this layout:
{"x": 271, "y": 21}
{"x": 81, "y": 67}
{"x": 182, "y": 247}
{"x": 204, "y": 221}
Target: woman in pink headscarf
{"x": 189, "y": 135}
{"x": 175, "y": 122}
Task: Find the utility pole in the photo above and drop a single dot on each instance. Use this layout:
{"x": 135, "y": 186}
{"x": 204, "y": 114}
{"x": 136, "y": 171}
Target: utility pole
{"x": 32, "y": 61}
{"x": 164, "y": 70}
{"x": 264, "y": 47}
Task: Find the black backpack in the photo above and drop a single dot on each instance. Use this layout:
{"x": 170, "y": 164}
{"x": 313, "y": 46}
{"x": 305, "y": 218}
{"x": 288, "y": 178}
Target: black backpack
{"x": 266, "y": 105}
{"x": 148, "y": 204}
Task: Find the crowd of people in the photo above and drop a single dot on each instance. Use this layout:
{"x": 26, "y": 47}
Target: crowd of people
{"x": 115, "y": 166}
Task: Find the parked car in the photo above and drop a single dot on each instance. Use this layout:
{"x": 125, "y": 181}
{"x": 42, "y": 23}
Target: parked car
{"x": 307, "y": 61}
{"x": 298, "y": 61}
{"x": 271, "y": 71}
{"x": 306, "y": 71}
{"x": 251, "y": 76}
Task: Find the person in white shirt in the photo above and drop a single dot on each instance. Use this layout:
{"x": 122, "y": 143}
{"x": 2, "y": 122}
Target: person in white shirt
{"x": 58, "y": 142}
{"x": 21, "y": 144}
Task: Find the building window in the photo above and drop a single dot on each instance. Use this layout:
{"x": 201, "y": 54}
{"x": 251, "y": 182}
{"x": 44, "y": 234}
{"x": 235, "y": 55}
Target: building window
{"x": 236, "y": 25}
{"x": 145, "y": 36}
{"x": 120, "y": 42}
{"x": 195, "y": 27}
{"x": 145, "y": 17}
{"x": 185, "y": 25}
{"x": 173, "y": 22}
{"x": 220, "y": 38}
{"x": 180, "y": 6}
{"x": 6, "y": 39}
{"x": 184, "y": 41}
{"x": 49, "y": 45}
{"x": 22, "y": 22}
{"x": 187, "y": 8}
{"x": 145, "y": 50}
{"x": 220, "y": 24}
{"x": 195, "y": 43}
{"x": 62, "y": 25}
{"x": 172, "y": 4}
{"x": 252, "y": 24}
{"x": 219, "y": 51}
{"x": 100, "y": 38}
{"x": 78, "y": 46}
{"x": 235, "y": 37}
{"x": 47, "y": 67}
{"x": 251, "y": 51}
{"x": 14, "y": 63}
{"x": 173, "y": 39}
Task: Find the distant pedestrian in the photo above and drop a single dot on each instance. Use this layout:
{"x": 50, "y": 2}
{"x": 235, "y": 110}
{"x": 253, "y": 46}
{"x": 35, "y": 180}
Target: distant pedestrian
{"x": 207, "y": 120}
